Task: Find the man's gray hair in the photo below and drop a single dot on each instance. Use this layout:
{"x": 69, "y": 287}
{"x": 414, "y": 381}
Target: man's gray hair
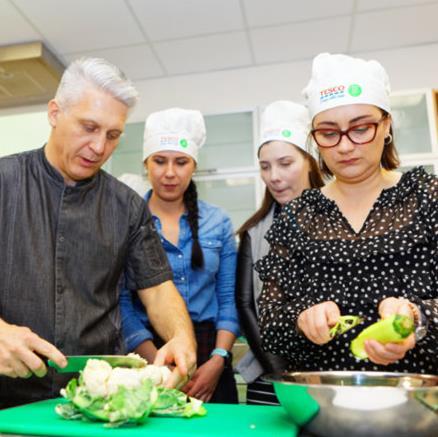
{"x": 98, "y": 73}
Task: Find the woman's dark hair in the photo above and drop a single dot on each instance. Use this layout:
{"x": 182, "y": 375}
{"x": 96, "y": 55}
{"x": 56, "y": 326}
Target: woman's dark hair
{"x": 315, "y": 181}
{"x": 389, "y": 159}
{"x": 191, "y": 203}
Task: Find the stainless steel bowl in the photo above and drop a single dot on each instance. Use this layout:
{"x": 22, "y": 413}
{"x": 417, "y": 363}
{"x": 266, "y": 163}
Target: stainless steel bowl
{"x": 333, "y": 404}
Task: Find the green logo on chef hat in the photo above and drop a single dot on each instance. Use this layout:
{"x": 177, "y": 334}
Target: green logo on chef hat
{"x": 286, "y": 133}
{"x": 355, "y": 90}
{"x": 183, "y": 142}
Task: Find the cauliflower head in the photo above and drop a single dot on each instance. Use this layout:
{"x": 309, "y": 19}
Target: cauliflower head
{"x": 100, "y": 379}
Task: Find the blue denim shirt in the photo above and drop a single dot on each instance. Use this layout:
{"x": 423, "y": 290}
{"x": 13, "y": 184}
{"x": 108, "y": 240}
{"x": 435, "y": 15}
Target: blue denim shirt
{"x": 209, "y": 292}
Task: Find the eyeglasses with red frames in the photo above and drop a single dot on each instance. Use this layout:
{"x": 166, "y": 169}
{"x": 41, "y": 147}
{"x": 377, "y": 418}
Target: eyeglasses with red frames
{"x": 360, "y": 134}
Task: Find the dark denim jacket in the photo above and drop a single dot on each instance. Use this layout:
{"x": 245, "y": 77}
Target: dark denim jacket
{"x": 63, "y": 250}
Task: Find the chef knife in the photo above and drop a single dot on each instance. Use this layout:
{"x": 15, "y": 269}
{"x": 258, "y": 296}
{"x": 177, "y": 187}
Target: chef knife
{"x": 75, "y": 363}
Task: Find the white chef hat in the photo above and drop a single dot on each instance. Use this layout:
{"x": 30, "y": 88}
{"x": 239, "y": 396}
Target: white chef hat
{"x": 339, "y": 80}
{"x": 177, "y": 129}
{"x": 285, "y": 121}
{"x": 134, "y": 181}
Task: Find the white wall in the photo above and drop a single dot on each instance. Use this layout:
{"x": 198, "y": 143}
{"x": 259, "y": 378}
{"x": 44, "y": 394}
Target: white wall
{"x": 23, "y": 131}
{"x": 227, "y": 91}
{"x": 234, "y": 90}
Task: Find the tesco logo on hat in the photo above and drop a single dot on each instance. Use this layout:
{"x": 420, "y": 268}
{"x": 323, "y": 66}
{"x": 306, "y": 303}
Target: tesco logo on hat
{"x": 333, "y": 92}
{"x": 168, "y": 140}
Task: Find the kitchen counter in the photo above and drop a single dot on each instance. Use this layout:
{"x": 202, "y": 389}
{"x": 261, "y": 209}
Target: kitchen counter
{"x": 40, "y": 419}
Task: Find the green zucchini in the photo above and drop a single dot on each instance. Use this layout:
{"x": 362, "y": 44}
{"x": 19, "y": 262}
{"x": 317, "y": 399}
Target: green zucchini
{"x": 393, "y": 329}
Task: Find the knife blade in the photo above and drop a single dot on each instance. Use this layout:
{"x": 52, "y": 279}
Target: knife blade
{"x": 75, "y": 363}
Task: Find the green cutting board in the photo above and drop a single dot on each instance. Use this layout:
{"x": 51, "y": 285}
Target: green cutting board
{"x": 40, "y": 419}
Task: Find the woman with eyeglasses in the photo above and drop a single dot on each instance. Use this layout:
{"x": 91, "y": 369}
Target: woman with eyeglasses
{"x": 365, "y": 244}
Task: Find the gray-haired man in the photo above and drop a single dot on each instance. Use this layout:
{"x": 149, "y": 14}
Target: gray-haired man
{"x": 68, "y": 230}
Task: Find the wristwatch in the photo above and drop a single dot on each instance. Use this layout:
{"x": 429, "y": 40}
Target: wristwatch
{"x": 226, "y": 355}
{"x": 421, "y": 327}
{"x": 420, "y": 321}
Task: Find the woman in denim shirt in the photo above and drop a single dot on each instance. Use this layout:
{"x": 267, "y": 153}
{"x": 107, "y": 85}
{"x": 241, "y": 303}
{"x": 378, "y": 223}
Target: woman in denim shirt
{"x": 199, "y": 242}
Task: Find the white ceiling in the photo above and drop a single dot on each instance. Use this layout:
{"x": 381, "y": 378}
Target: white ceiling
{"x": 152, "y": 39}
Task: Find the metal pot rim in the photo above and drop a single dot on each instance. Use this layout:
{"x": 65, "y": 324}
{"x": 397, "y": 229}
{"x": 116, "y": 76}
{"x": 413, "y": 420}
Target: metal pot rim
{"x": 408, "y": 381}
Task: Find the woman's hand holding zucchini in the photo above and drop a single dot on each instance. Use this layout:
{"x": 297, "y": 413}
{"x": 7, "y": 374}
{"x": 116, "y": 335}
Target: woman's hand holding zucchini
{"x": 388, "y": 340}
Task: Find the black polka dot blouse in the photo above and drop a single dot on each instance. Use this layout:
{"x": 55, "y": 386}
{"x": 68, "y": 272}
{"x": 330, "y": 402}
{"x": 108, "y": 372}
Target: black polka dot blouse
{"x": 316, "y": 256}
